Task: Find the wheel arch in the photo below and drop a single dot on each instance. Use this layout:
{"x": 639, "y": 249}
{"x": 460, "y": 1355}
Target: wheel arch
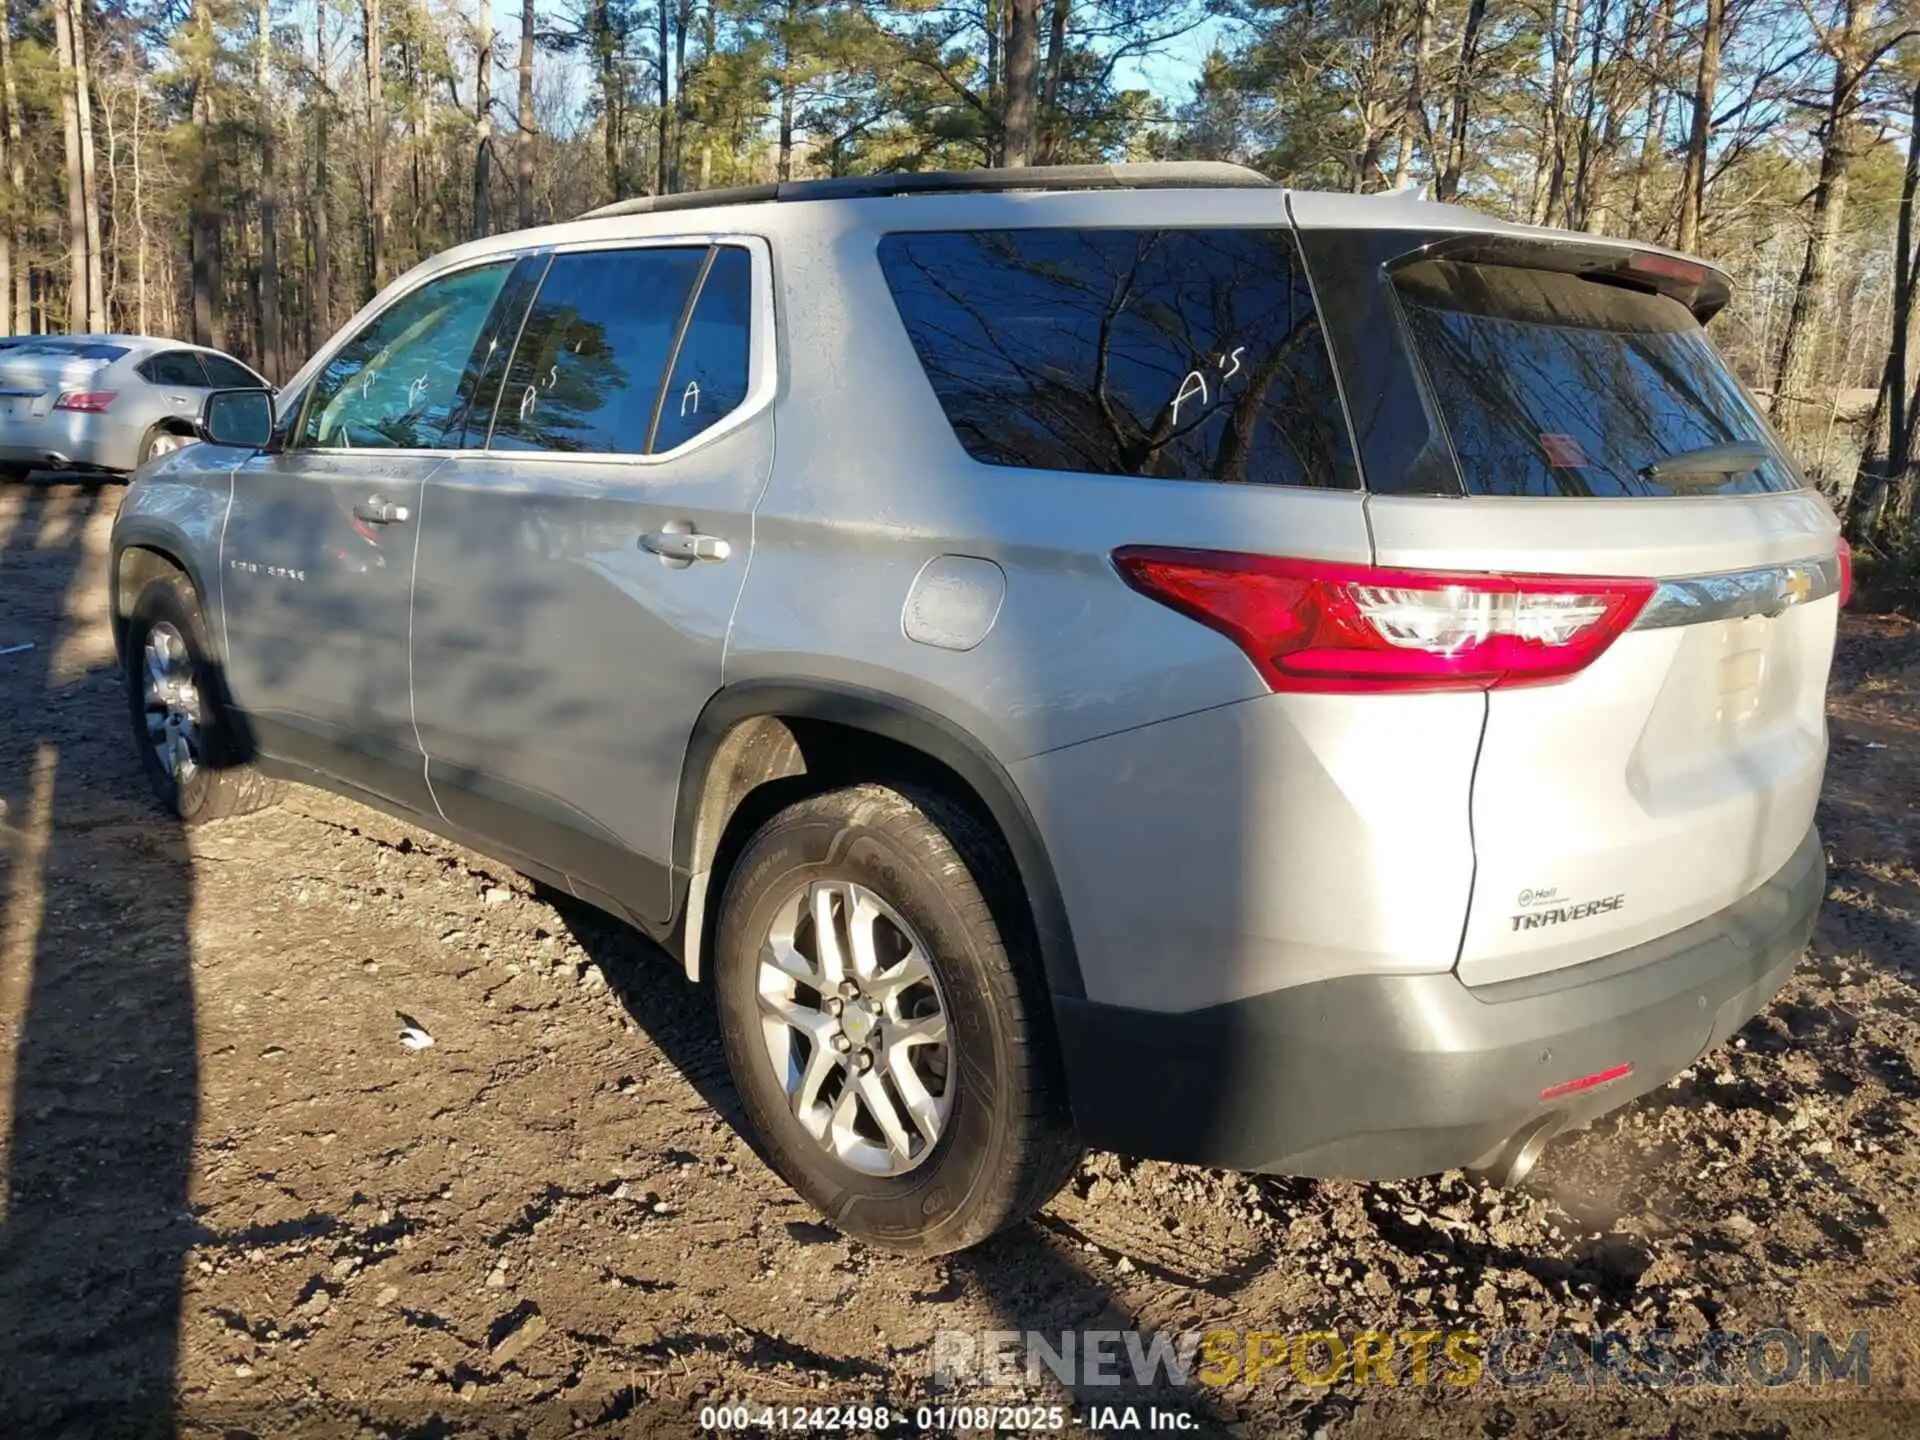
{"x": 138, "y": 560}
{"x": 761, "y": 744}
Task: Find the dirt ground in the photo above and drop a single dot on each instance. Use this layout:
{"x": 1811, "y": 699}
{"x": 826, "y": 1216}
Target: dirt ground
{"x": 237, "y": 1204}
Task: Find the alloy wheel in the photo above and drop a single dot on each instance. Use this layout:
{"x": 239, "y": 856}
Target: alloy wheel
{"x": 172, "y": 696}
{"x": 855, "y": 1027}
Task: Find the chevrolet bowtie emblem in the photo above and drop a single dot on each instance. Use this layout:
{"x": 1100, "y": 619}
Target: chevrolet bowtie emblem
{"x": 1792, "y": 588}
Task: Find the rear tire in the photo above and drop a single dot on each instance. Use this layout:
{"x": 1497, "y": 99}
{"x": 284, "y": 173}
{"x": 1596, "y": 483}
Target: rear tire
{"x": 159, "y": 441}
{"x": 188, "y": 743}
{"x": 914, "y": 874}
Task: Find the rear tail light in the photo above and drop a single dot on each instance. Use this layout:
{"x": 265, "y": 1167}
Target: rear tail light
{"x": 89, "y": 402}
{"x": 1845, "y": 556}
{"x": 1667, "y": 267}
{"x": 1311, "y": 625}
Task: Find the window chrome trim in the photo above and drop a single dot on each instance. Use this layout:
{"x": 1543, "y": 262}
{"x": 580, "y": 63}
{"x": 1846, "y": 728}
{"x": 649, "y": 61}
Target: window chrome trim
{"x": 1763, "y": 590}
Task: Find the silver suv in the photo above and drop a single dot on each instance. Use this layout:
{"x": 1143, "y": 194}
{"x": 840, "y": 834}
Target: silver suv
{"x": 1128, "y": 656}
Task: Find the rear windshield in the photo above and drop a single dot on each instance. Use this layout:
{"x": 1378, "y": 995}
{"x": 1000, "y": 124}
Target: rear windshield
{"x": 1551, "y": 384}
{"x": 61, "y": 349}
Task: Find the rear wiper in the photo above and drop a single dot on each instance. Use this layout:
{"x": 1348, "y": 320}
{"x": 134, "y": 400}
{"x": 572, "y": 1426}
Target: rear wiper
{"x": 1733, "y": 458}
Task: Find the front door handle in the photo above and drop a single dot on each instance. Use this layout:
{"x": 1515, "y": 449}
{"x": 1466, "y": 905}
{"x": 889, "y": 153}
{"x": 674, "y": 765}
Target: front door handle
{"x": 679, "y": 544}
{"x": 380, "y": 512}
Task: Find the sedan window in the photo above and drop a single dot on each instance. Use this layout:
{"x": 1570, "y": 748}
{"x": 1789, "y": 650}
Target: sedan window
{"x": 174, "y": 367}
{"x": 229, "y": 374}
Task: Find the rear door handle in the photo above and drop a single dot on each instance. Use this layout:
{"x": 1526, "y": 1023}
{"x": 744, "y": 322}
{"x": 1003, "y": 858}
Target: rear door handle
{"x": 680, "y": 546}
{"x": 380, "y": 512}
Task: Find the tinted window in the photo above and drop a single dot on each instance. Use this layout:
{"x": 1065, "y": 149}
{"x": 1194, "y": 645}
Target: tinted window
{"x": 175, "y": 367}
{"x": 1183, "y": 354}
{"x": 710, "y": 372}
{"x": 228, "y": 374}
{"x": 1552, "y": 384}
{"x": 586, "y": 374}
{"x": 487, "y": 365}
{"x": 395, "y": 384}
{"x": 67, "y": 349}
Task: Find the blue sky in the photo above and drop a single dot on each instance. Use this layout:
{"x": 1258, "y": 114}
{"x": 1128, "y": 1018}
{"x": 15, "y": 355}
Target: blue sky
{"x": 1171, "y": 73}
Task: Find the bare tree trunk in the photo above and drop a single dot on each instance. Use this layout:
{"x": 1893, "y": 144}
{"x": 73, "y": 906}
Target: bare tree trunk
{"x": 1899, "y": 421}
{"x": 1413, "y": 114}
{"x": 1659, "y": 98}
{"x": 76, "y": 187}
{"x": 18, "y": 304}
{"x": 89, "y": 188}
{"x": 612, "y": 111}
{"x": 666, "y": 104}
{"x": 376, "y": 148}
{"x": 320, "y": 219}
{"x": 1860, "y": 507}
{"x": 1586, "y": 208}
{"x": 9, "y": 146}
{"x": 996, "y": 18}
{"x": 114, "y": 304}
{"x": 523, "y": 145}
{"x": 1566, "y": 45}
{"x": 1447, "y": 186}
{"x": 203, "y": 237}
{"x": 788, "y": 19}
{"x": 1053, "y": 130}
{"x": 709, "y": 43}
{"x": 272, "y": 350}
{"x": 483, "y": 120}
{"x": 1023, "y": 43}
{"x": 1847, "y": 45}
{"x": 1693, "y": 180}
{"x": 141, "y": 238}
{"x": 683, "y": 17}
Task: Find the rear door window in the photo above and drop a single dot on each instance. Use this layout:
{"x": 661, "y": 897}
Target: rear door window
{"x": 1554, "y": 384}
{"x": 175, "y": 367}
{"x": 226, "y": 374}
{"x": 711, "y": 366}
{"x": 586, "y": 376}
{"x": 1179, "y": 354}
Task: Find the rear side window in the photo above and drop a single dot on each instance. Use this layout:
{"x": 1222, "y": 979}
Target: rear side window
{"x": 710, "y": 371}
{"x": 175, "y": 367}
{"x": 1552, "y": 384}
{"x": 586, "y": 375}
{"x": 228, "y": 374}
{"x": 1178, "y": 354}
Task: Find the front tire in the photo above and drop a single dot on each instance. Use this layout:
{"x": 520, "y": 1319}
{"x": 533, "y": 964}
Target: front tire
{"x": 188, "y": 744}
{"x": 891, "y": 1048}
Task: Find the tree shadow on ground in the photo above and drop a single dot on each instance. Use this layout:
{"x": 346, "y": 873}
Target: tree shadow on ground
{"x": 95, "y": 984}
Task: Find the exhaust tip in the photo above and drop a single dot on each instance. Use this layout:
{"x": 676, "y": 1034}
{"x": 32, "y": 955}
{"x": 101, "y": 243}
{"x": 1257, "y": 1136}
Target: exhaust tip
{"x": 1514, "y": 1161}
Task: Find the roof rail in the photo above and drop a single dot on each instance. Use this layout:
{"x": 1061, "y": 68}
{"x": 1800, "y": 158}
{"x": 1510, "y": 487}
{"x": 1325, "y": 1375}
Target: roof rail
{"x": 1164, "y": 175}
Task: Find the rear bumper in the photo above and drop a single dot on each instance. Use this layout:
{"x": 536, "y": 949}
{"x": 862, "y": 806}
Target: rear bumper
{"x": 61, "y": 440}
{"x": 1380, "y": 1076}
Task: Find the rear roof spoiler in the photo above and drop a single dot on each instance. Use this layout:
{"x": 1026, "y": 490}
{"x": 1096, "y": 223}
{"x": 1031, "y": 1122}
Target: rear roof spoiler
{"x": 1702, "y": 288}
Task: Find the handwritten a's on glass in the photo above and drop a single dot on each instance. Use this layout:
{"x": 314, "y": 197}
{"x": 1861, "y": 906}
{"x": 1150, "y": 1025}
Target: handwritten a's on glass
{"x": 1194, "y": 386}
